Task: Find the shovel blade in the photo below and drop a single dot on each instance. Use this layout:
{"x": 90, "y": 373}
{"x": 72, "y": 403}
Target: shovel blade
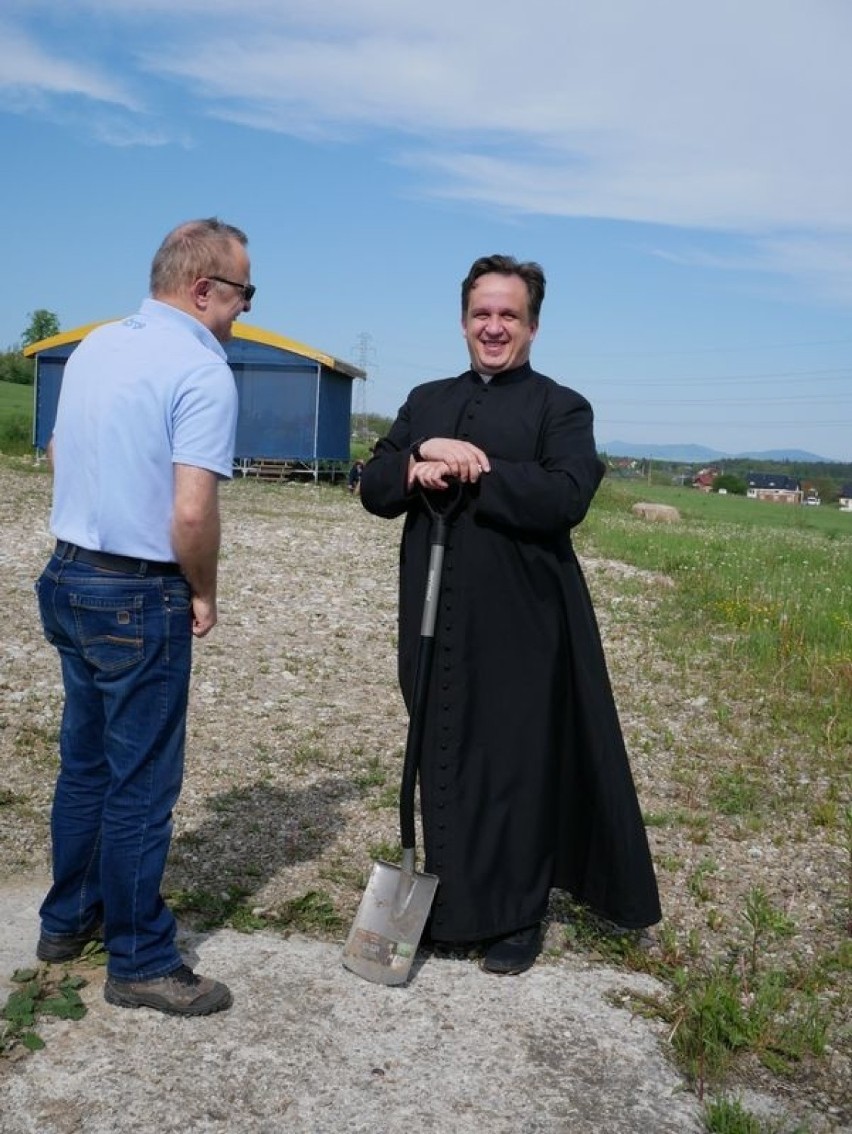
{"x": 389, "y": 924}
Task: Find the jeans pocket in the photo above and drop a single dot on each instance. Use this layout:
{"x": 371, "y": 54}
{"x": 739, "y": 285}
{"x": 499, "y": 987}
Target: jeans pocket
{"x": 109, "y": 629}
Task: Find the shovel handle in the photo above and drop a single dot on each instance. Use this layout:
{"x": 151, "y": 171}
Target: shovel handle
{"x": 441, "y": 515}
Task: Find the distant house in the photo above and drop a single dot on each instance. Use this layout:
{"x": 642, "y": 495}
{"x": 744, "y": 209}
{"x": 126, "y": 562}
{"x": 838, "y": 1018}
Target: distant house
{"x": 704, "y": 479}
{"x": 776, "y": 487}
{"x": 624, "y": 467}
{"x": 846, "y": 498}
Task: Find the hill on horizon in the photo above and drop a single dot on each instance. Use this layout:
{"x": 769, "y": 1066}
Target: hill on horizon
{"x": 701, "y": 454}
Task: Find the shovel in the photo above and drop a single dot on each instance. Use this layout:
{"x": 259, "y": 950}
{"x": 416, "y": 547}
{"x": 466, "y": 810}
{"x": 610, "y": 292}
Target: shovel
{"x": 393, "y": 911}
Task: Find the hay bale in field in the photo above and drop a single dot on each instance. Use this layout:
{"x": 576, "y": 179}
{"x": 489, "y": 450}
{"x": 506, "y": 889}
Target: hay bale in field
{"x": 664, "y": 513}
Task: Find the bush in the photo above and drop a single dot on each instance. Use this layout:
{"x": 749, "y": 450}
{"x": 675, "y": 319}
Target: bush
{"x": 731, "y": 484}
{"x": 15, "y": 368}
{"x": 16, "y": 435}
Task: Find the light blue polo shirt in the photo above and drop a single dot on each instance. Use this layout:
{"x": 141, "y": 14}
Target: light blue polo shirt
{"x": 138, "y": 397}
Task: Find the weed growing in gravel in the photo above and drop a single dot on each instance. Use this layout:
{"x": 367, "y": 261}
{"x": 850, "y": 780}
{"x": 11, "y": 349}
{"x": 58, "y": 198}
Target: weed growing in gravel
{"x": 374, "y": 775}
{"x": 44, "y": 991}
{"x": 729, "y": 1116}
{"x": 721, "y": 1009}
{"x": 764, "y": 922}
{"x": 698, "y": 884}
{"x": 387, "y": 851}
{"x": 735, "y": 792}
{"x": 309, "y": 913}
{"x": 387, "y": 798}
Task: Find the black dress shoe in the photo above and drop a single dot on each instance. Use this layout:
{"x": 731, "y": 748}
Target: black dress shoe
{"x": 514, "y": 953}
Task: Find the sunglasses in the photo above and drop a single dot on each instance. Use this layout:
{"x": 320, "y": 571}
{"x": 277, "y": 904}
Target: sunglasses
{"x": 248, "y": 289}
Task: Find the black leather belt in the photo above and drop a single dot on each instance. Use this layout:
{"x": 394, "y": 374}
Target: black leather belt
{"x": 125, "y": 564}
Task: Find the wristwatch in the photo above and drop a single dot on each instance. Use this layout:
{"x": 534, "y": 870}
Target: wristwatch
{"x": 415, "y": 449}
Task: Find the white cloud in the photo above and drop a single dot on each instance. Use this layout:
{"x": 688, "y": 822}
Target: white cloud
{"x": 731, "y": 116}
{"x": 29, "y": 73}
{"x": 821, "y": 262}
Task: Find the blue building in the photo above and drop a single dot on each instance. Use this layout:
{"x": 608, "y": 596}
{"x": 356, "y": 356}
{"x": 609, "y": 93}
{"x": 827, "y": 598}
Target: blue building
{"x": 295, "y": 402}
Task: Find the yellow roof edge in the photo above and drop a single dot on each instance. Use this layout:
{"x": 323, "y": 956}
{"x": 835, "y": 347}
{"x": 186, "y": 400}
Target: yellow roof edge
{"x": 270, "y": 338}
{"x": 63, "y": 337}
{"x": 239, "y": 330}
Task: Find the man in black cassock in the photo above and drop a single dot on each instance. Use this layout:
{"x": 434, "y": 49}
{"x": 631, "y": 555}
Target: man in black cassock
{"x": 524, "y": 778}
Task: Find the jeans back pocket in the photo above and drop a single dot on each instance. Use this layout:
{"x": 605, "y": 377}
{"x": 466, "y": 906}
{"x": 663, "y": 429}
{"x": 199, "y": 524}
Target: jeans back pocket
{"x": 109, "y": 629}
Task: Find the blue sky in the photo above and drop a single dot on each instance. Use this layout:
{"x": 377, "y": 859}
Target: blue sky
{"x": 682, "y": 171}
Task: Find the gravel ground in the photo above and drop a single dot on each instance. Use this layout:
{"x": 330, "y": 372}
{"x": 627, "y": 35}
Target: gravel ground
{"x": 296, "y": 729}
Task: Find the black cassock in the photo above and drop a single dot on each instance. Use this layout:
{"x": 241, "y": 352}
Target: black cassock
{"x": 524, "y": 778}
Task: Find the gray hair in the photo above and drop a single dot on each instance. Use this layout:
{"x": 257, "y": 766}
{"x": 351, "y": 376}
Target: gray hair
{"x": 194, "y": 249}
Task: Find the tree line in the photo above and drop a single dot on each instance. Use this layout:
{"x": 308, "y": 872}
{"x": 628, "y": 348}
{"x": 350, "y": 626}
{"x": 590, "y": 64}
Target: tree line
{"x": 14, "y": 367}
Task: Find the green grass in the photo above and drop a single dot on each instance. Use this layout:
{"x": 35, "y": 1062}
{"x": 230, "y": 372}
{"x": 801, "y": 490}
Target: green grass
{"x": 16, "y": 418}
{"x": 761, "y": 610}
{"x": 774, "y": 580}
{"x": 312, "y": 912}
{"x": 49, "y": 990}
{"x": 729, "y": 1116}
{"x": 15, "y": 401}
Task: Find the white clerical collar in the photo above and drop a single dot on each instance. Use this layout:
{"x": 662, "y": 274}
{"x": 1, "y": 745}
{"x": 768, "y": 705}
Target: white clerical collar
{"x": 486, "y": 378}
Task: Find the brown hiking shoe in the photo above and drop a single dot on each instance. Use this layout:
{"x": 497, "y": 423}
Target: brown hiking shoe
{"x": 178, "y": 993}
{"x": 57, "y": 948}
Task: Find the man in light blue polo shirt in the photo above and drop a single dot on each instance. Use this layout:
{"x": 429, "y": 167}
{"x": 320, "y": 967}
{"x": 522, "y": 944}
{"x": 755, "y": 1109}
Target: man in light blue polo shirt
{"x": 144, "y": 433}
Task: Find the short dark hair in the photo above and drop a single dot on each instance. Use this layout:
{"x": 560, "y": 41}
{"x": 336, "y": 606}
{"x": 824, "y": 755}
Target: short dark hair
{"x": 531, "y": 273}
{"x": 195, "y": 248}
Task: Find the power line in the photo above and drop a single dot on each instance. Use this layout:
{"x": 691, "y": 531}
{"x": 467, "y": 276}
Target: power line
{"x": 702, "y": 421}
{"x": 763, "y": 378}
{"x": 793, "y": 399}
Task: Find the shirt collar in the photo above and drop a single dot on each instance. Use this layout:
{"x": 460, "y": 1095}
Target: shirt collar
{"x": 156, "y": 309}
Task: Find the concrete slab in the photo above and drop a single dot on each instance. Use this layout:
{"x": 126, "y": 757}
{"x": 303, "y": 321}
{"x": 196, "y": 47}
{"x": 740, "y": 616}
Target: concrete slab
{"x": 308, "y": 1046}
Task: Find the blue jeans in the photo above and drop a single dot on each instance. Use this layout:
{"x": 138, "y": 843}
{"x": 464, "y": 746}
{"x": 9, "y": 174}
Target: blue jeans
{"x": 125, "y": 645}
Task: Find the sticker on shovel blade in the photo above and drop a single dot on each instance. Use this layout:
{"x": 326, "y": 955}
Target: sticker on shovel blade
{"x": 383, "y": 950}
